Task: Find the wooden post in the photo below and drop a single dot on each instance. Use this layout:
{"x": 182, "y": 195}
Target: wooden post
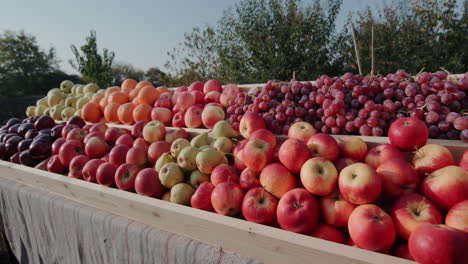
{"x": 356, "y": 49}
{"x": 372, "y": 51}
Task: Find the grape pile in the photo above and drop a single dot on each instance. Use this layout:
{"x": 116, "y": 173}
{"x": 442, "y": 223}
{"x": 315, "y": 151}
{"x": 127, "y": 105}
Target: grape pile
{"x": 353, "y": 104}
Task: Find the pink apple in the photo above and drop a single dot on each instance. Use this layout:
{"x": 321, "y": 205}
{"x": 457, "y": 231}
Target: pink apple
{"x": 93, "y": 134}
{"x": 398, "y": 178}
{"x": 69, "y": 150}
{"x": 118, "y": 154}
{"x": 265, "y": 135}
{"x": 196, "y": 86}
{"x": 163, "y": 102}
{"x": 359, "y": 183}
{"x": 154, "y": 131}
{"x": 125, "y": 139}
{"x": 301, "y": 131}
{"x": 319, "y": 176}
{"x": 249, "y": 179}
{"x": 237, "y": 152}
{"x": 125, "y": 176}
{"x": 250, "y": 122}
{"x": 211, "y": 115}
{"x": 90, "y": 169}
{"x": 141, "y": 143}
{"x": 457, "y": 216}
{"x": 371, "y": 228}
{"x": 137, "y": 129}
{"x": 412, "y": 210}
{"x": 212, "y": 85}
{"x": 223, "y": 173}
{"x": 201, "y": 199}
{"x": 77, "y": 134}
{"x": 327, "y": 232}
{"x": 147, "y": 183}
{"x": 212, "y": 97}
{"x": 185, "y": 100}
{"x": 353, "y": 147}
{"x": 76, "y": 166}
{"x": 378, "y": 154}
{"x": 298, "y": 211}
{"x": 336, "y": 210}
{"x": 137, "y": 156}
{"x": 446, "y": 187}
{"x": 227, "y": 198}
{"x": 214, "y": 104}
{"x": 163, "y": 115}
{"x": 256, "y": 154}
{"x": 156, "y": 149}
{"x": 178, "y": 119}
{"x": 323, "y": 145}
{"x": 430, "y": 158}
{"x": 293, "y": 153}
{"x": 464, "y": 161}
{"x": 342, "y": 163}
{"x": 67, "y": 128}
{"x": 438, "y": 244}
{"x": 175, "y": 134}
{"x": 199, "y": 97}
{"x": 105, "y": 174}
{"x": 277, "y": 179}
{"x": 408, "y": 133}
{"x": 181, "y": 89}
{"x": 259, "y": 206}
{"x": 96, "y": 147}
{"x": 193, "y": 117}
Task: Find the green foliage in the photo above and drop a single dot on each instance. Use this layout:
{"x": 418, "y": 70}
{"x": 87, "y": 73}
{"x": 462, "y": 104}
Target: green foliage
{"x": 155, "y": 75}
{"x": 25, "y": 68}
{"x": 93, "y": 66}
{"x": 122, "y": 71}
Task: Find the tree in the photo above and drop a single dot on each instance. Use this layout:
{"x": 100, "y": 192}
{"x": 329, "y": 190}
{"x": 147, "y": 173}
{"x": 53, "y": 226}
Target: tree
{"x": 122, "y": 71}
{"x": 93, "y": 66}
{"x": 23, "y": 64}
{"x": 155, "y": 75}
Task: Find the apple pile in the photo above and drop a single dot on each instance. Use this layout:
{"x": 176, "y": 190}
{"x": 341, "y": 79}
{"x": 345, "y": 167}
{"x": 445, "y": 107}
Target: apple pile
{"x": 66, "y": 101}
{"x": 28, "y": 141}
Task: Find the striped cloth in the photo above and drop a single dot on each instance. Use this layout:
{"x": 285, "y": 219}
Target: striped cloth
{"x": 46, "y": 228}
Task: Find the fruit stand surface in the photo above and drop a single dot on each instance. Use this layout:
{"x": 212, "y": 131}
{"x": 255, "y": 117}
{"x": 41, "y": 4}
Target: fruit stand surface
{"x": 42, "y": 227}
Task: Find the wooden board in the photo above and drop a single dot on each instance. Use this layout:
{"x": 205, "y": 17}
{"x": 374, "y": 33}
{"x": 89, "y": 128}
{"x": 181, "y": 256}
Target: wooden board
{"x": 260, "y": 242}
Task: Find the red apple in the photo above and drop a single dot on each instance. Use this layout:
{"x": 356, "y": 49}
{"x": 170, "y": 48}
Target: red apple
{"x": 353, "y": 147}
{"x": 430, "y": 244}
{"x": 90, "y": 169}
{"x": 163, "y": 115}
{"x": 137, "y": 129}
{"x": 113, "y": 133}
{"x": 249, "y": 179}
{"x": 402, "y": 251}
{"x": 137, "y": 156}
{"x": 430, "y": 158}
{"x": 457, "y": 216}
{"x": 298, "y": 211}
{"x": 201, "y": 199}
{"x": 76, "y": 166}
{"x": 125, "y": 139}
{"x": 96, "y": 148}
{"x": 172, "y": 135}
{"x": 223, "y": 173}
{"x": 214, "y": 104}
{"x": 226, "y": 198}
{"x": 164, "y": 103}
{"x": 265, "y": 135}
{"x": 336, "y": 210}
{"x": 412, "y": 210}
{"x": 141, "y": 143}
{"x": 259, "y": 206}
{"x": 250, "y": 122}
{"x": 105, "y": 174}
{"x": 277, "y": 179}
{"x": 69, "y": 150}
{"x": 256, "y": 154}
{"x": 199, "y": 97}
{"x": 293, "y": 153}
{"x": 327, "y": 232}
{"x": 212, "y": 97}
{"x": 56, "y": 145}
{"x": 193, "y": 117}
{"x": 118, "y": 154}
{"x": 156, "y": 149}
{"x": 87, "y": 127}
{"x": 342, "y": 163}
{"x": 371, "y": 228}
{"x": 408, "y": 133}
{"x": 446, "y": 187}
{"x": 398, "y": 178}
{"x": 196, "y": 86}
{"x": 319, "y": 176}
{"x": 99, "y": 127}
{"x": 93, "y": 134}
{"x": 378, "y": 154}
{"x": 211, "y": 115}
{"x": 464, "y": 160}
{"x": 359, "y": 183}
{"x": 178, "y": 119}
{"x": 67, "y": 128}
{"x": 154, "y": 131}
{"x": 185, "y": 100}
{"x": 147, "y": 183}
{"x": 237, "y": 152}
{"x": 212, "y": 85}
{"x": 77, "y": 134}
{"x": 125, "y": 176}
{"x": 323, "y": 145}
{"x": 301, "y": 131}
{"x": 76, "y": 120}
{"x": 54, "y": 165}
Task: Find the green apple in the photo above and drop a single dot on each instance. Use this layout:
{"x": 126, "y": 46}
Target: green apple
{"x": 66, "y": 86}
{"x": 71, "y": 101}
{"x": 39, "y": 111}
{"x": 56, "y": 112}
{"x": 42, "y": 101}
{"x": 90, "y": 88}
{"x": 54, "y": 91}
{"x": 82, "y": 101}
{"x": 31, "y": 111}
{"x": 67, "y": 113}
{"x": 79, "y": 89}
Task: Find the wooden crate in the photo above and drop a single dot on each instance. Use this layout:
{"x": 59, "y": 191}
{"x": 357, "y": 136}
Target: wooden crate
{"x": 260, "y": 242}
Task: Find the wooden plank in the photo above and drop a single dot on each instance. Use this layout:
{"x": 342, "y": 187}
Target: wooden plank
{"x": 264, "y": 243}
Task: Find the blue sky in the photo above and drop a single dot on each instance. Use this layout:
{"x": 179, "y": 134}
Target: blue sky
{"x": 140, "y": 32}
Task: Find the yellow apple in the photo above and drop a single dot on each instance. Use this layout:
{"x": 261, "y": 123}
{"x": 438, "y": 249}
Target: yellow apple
{"x": 67, "y": 113}
{"x": 30, "y": 111}
{"x": 56, "y": 112}
{"x": 82, "y": 101}
{"x": 90, "y": 88}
